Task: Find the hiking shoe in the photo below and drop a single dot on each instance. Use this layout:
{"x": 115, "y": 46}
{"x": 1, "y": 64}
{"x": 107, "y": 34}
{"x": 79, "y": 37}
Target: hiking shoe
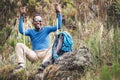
{"x": 40, "y": 69}
{"x": 19, "y": 69}
{"x": 43, "y": 66}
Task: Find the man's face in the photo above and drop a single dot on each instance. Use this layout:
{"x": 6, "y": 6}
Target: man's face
{"x": 37, "y": 22}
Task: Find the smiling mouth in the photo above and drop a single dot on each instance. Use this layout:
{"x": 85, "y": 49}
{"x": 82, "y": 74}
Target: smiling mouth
{"x": 38, "y": 25}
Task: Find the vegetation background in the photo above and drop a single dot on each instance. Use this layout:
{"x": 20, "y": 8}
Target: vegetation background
{"x": 94, "y": 23}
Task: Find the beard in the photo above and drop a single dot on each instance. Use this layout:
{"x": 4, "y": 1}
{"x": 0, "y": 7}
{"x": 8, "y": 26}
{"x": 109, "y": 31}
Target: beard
{"x": 37, "y": 27}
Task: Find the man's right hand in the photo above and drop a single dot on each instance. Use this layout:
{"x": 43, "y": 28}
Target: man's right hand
{"x": 57, "y": 8}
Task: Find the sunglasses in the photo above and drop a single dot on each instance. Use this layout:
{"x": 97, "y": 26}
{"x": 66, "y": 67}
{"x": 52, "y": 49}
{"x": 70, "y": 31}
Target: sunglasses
{"x": 37, "y": 20}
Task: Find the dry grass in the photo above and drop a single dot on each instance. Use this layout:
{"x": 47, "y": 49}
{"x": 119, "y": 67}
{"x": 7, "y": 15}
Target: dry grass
{"x": 91, "y": 30}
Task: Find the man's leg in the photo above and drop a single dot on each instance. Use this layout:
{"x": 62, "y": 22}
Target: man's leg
{"x": 23, "y": 52}
{"x": 47, "y": 60}
{"x": 48, "y": 56}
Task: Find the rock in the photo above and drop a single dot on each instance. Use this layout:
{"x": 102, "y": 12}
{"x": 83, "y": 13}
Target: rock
{"x": 76, "y": 62}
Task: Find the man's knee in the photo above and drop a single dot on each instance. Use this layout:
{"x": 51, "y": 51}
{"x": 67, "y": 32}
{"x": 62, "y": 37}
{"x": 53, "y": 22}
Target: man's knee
{"x": 19, "y": 45}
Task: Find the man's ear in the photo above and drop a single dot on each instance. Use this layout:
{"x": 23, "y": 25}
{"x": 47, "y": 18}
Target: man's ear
{"x": 32, "y": 22}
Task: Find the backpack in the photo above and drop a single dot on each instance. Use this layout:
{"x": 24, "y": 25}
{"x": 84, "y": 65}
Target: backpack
{"x": 63, "y": 43}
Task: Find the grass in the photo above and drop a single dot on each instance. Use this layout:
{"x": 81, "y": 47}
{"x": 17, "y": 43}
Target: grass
{"x": 7, "y": 67}
{"x": 103, "y": 44}
{"x": 105, "y": 53}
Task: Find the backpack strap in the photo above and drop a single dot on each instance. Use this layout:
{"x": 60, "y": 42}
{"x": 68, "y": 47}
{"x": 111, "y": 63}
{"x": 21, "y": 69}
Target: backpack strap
{"x": 57, "y": 46}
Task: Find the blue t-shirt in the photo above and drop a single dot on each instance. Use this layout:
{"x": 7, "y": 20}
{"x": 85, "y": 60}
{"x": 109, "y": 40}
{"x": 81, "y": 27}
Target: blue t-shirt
{"x": 40, "y": 39}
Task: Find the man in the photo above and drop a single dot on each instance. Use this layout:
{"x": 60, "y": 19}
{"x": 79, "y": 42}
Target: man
{"x": 39, "y": 38}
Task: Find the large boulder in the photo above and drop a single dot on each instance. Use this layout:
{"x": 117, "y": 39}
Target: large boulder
{"x": 68, "y": 66}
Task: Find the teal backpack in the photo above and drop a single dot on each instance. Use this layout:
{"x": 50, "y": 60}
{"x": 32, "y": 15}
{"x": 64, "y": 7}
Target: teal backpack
{"x": 63, "y": 43}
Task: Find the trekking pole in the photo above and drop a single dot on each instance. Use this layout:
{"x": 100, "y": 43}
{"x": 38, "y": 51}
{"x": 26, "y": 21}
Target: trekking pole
{"x": 57, "y": 22}
{"x": 24, "y": 29}
{"x": 24, "y": 37}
